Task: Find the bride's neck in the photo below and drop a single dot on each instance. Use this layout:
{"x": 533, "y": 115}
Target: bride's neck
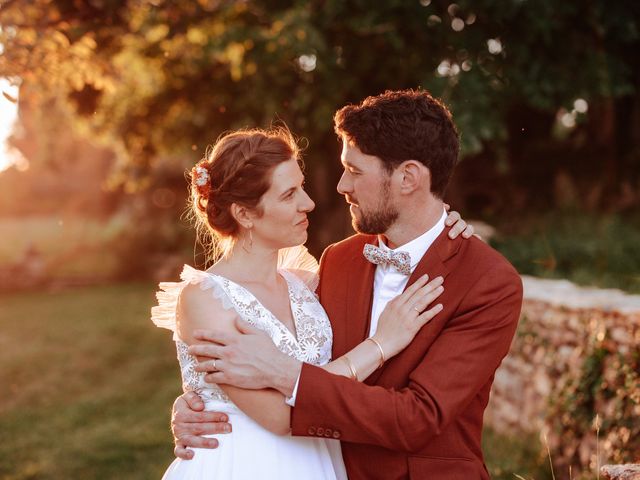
{"x": 255, "y": 264}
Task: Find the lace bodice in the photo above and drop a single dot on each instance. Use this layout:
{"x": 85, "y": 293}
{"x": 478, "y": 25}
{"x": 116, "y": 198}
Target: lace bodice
{"x": 314, "y": 336}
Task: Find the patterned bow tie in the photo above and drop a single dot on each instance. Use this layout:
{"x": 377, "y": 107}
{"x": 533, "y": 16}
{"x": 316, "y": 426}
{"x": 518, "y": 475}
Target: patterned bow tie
{"x": 401, "y": 261}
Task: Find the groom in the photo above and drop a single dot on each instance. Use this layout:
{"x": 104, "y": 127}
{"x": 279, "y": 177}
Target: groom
{"x": 420, "y": 415}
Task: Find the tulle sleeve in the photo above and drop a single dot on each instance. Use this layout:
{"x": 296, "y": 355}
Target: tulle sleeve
{"x": 299, "y": 261}
{"x": 164, "y": 314}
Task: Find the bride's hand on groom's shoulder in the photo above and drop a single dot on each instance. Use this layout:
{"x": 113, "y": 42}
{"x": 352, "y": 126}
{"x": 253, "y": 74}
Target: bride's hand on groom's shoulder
{"x": 189, "y": 422}
{"x": 406, "y": 314}
{"x": 457, "y": 224}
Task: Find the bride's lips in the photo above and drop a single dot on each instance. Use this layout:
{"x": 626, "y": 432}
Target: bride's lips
{"x": 304, "y": 222}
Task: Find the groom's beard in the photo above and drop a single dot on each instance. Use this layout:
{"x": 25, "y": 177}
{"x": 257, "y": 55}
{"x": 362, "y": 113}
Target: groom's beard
{"x": 379, "y": 219}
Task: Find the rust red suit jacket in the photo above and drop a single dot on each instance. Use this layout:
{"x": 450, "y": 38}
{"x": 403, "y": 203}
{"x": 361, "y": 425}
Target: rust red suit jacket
{"x": 420, "y": 414}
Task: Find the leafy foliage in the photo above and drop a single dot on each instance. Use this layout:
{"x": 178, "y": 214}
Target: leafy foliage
{"x": 156, "y": 81}
{"x": 158, "y": 76}
{"x": 586, "y": 249}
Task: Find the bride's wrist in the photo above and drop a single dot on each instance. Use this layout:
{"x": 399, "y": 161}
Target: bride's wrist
{"x": 380, "y": 348}
{"x": 383, "y": 346}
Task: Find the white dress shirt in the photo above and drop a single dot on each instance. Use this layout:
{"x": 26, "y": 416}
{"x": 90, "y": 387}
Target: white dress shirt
{"x": 388, "y": 282}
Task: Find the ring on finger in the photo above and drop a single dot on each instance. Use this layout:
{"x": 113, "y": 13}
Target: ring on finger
{"x": 416, "y": 309}
{"x": 214, "y": 365}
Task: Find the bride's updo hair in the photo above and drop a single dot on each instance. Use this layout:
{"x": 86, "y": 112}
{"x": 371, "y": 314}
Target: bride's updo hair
{"x": 237, "y": 169}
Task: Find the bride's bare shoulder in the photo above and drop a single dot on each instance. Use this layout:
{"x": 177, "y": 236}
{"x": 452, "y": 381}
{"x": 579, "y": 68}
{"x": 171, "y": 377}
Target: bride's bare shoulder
{"x": 201, "y": 309}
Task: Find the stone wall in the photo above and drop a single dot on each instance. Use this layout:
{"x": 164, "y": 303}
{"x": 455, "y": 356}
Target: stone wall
{"x": 621, "y": 472}
{"x": 573, "y": 374}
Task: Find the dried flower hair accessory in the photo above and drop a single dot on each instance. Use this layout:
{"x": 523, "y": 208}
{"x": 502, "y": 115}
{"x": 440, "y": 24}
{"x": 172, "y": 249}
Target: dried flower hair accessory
{"x": 201, "y": 180}
{"x": 202, "y": 176}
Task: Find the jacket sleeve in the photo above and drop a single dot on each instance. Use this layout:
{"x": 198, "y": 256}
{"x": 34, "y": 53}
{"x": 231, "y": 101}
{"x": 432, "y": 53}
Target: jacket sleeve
{"x": 457, "y": 365}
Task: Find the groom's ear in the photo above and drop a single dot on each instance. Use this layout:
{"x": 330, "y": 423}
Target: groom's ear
{"x": 412, "y": 176}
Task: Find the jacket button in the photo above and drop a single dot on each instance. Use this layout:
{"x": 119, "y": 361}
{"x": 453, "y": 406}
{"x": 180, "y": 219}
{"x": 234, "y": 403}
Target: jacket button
{"x": 336, "y": 434}
{"x": 311, "y": 431}
{"x": 320, "y": 431}
{"x": 327, "y": 433}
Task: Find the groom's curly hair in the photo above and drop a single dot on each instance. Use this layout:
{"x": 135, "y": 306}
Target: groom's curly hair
{"x": 404, "y": 125}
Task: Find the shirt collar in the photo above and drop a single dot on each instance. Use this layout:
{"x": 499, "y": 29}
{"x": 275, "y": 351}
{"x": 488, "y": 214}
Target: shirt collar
{"x": 417, "y": 247}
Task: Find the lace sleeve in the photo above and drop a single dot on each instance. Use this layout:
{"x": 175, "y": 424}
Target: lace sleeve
{"x": 299, "y": 261}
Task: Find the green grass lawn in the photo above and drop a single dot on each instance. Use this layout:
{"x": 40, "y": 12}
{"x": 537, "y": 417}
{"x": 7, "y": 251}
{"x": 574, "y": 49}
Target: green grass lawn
{"x": 87, "y": 383}
{"x": 507, "y": 457}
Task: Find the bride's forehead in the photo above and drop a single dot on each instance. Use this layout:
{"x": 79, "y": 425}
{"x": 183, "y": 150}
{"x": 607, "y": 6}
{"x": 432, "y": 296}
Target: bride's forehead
{"x": 288, "y": 172}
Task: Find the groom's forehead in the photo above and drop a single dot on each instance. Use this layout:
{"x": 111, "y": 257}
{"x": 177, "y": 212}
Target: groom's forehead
{"x": 354, "y": 157}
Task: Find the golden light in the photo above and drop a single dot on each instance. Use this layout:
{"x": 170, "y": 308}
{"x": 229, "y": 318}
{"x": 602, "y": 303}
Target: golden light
{"x": 457, "y": 24}
{"x": 581, "y": 105}
{"x": 8, "y": 116}
{"x": 494, "y": 45}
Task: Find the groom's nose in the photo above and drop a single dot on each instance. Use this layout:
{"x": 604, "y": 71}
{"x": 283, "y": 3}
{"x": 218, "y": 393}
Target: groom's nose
{"x": 344, "y": 185}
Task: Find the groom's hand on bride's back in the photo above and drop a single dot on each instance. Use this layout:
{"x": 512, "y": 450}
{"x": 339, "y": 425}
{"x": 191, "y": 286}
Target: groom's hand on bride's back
{"x": 189, "y": 422}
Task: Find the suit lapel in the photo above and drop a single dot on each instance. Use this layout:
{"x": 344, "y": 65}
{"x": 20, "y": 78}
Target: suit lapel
{"x": 359, "y": 298}
{"x": 433, "y": 261}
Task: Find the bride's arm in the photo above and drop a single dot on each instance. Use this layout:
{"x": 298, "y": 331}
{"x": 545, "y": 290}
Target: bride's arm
{"x": 400, "y": 321}
{"x": 197, "y": 309}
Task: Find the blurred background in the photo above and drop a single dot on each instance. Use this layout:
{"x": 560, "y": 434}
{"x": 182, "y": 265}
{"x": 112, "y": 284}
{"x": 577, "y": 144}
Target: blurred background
{"x": 106, "y": 104}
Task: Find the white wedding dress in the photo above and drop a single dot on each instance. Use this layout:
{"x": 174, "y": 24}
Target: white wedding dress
{"x": 250, "y": 451}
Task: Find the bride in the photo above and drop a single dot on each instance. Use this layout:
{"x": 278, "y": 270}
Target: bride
{"x": 247, "y": 193}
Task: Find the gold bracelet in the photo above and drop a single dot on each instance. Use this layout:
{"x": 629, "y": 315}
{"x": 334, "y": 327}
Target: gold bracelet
{"x": 352, "y": 369}
{"x": 382, "y": 357}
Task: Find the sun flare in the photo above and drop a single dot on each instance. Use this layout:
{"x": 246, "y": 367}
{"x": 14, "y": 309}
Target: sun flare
{"x": 8, "y": 116}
